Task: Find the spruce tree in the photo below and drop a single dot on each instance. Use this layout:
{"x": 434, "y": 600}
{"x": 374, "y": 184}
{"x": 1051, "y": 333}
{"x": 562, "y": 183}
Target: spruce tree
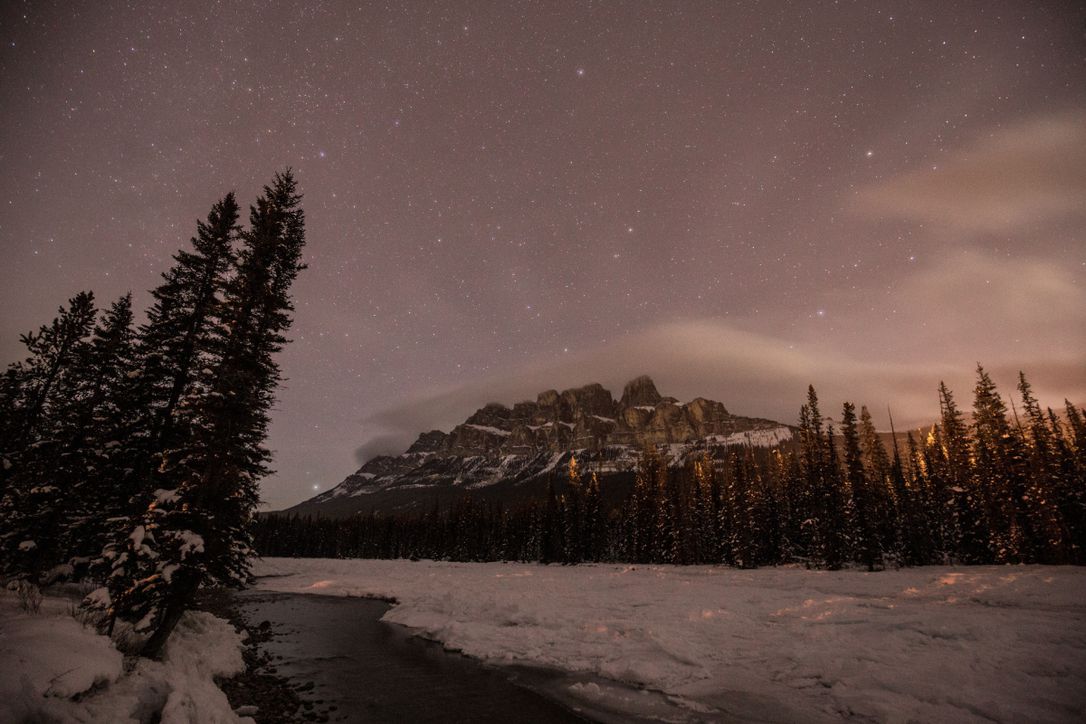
{"x": 1047, "y": 495}
{"x": 878, "y": 469}
{"x": 200, "y": 531}
{"x": 999, "y": 460}
{"x": 573, "y": 514}
{"x": 181, "y": 327}
{"x": 34, "y": 504}
{"x": 836, "y": 508}
{"x": 102, "y": 426}
{"x": 595, "y": 520}
{"x": 866, "y": 540}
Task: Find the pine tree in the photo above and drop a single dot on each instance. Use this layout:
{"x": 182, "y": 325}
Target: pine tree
{"x": 12, "y": 402}
{"x": 705, "y": 509}
{"x": 573, "y": 514}
{"x": 642, "y": 511}
{"x": 550, "y": 536}
{"x": 1046, "y": 495}
{"x": 878, "y": 469}
{"x": 868, "y": 546}
{"x": 917, "y": 546}
{"x": 836, "y": 509}
{"x": 100, "y": 428}
{"x": 969, "y": 523}
{"x": 32, "y": 511}
{"x": 900, "y": 495}
{"x": 200, "y": 532}
{"x": 174, "y": 351}
{"x": 997, "y": 469}
{"x": 595, "y": 521}
{"x": 1072, "y": 488}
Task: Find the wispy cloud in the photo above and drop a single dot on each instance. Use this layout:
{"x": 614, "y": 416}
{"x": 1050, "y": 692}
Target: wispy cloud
{"x": 1028, "y": 173}
{"x": 1023, "y": 314}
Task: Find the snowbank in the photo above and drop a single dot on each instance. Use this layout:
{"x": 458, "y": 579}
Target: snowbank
{"x": 925, "y": 644}
{"x": 54, "y": 669}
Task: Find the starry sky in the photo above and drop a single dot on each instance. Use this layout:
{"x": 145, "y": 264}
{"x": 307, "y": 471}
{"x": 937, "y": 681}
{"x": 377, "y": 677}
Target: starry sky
{"x": 735, "y": 198}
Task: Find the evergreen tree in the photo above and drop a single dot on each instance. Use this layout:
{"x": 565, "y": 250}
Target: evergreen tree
{"x": 595, "y": 521}
{"x": 917, "y": 547}
{"x": 181, "y": 322}
{"x": 878, "y": 470}
{"x": 969, "y": 522}
{"x": 199, "y": 532}
{"x": 1048, "y": 496}
{"x": 573, "y": 514}
{"x": 899, "y": 493}
{"x": 997, "y": 470}
{"x": 32, "y": 511}
{"x": 705, "y": 510}
{"x": 551, "y": 543}
{"x": 868, "y": 546}
{"x": 836, "y": 509}
{"x": 92, "y": 462}
{"x": 642, "y": 511}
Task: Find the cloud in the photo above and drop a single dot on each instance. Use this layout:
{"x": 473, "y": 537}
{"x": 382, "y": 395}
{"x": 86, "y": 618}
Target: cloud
{"x": 977, "y": 302}
{"x": 1007, "y": 313}
{"x": 1032, "y": 172}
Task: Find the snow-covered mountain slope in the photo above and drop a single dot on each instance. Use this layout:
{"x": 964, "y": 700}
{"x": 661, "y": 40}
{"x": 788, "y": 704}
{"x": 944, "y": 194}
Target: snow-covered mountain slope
{"x": 505, "y": 452}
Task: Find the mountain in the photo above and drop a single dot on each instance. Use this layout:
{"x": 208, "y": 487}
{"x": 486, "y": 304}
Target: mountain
{"x": 510, "y": 453}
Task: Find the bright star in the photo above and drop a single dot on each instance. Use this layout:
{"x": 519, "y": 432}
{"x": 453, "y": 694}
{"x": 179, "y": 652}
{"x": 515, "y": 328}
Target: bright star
{"x": 580, "y": 71}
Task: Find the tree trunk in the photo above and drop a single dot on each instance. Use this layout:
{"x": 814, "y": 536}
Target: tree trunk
{"x": 178, "y": 602}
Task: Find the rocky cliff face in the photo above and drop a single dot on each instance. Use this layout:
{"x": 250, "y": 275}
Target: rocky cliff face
{"x": 531, "y": 440}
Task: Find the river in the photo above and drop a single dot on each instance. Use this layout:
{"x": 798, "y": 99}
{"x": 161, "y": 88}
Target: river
{"x": 371, "y": 671}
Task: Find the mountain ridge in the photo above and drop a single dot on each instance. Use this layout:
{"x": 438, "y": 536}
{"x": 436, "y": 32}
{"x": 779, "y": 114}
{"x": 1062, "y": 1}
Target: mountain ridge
{"x": 500, "y": 450}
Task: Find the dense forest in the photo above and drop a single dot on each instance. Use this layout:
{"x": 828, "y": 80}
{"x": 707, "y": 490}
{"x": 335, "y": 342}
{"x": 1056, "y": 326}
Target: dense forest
{"x": 997, "y": 488}
{"x": 131, "y": 455}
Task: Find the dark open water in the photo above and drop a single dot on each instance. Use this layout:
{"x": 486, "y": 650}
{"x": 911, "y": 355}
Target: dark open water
{"x": 378, "y": 672}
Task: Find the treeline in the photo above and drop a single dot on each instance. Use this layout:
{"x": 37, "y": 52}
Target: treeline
{"x": 131, "y": 455}
{"x": 1000, "y": 488}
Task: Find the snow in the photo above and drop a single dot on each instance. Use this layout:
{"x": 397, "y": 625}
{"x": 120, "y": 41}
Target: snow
{"x": 935, "y": 644}
{"x": 55, "y": 669}
{"x": 491, "y": 430}
{"x": 766, "y": 437}
{"x": 190, "y": 543}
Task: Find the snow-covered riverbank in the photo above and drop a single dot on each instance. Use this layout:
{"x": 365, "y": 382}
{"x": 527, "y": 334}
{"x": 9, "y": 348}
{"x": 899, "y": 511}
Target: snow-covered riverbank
{"x": 54, "y": 669}
{"x": 925, "y": 644}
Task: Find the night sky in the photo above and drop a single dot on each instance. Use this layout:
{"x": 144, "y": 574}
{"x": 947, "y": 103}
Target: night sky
{"x": 736, "y": 198}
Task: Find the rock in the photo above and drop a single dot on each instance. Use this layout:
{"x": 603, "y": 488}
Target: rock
{"x": 640, "y": 391}
{"x": 493, "y": 414}
{"x": 590, "y": 400}
{"x": 530, "y": 443}
{"x": 432, "y": 441}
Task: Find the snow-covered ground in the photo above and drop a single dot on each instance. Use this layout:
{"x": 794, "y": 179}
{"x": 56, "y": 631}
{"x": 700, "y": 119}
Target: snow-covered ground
{"x": 1003, "y": 644}
{"x": 54, "y": 669}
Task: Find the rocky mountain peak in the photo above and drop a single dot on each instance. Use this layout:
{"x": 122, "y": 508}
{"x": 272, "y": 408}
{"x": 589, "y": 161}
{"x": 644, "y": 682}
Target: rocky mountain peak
{"x": 640, "y": 391}
{"x": 509, "y": 446}
{"x": 428, "y": 442}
